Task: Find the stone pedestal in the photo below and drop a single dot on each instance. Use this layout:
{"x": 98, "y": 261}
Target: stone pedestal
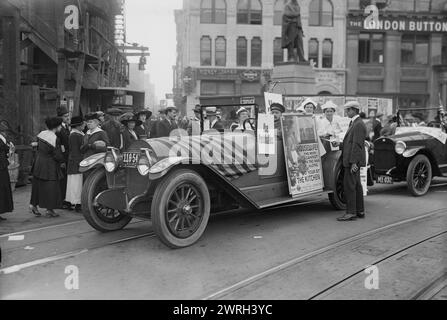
{"x": 294, "y": 79}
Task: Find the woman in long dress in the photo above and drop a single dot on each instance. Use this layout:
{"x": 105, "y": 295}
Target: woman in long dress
{"x": 74, "y": 180}
{"x": 95, "y": 140}
{"x": 6, "y": 202}
{"x": 47, "y": 173}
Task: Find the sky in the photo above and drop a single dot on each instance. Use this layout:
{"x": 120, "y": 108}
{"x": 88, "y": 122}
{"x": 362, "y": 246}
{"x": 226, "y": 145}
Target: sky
{"x": 151, "y": 23}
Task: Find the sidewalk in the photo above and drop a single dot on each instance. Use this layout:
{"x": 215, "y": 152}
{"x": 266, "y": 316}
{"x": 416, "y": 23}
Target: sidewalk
{"x": 21, "y": 219}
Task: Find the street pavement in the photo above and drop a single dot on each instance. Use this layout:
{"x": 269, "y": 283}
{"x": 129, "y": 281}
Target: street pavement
{"x": 292, "y": 253}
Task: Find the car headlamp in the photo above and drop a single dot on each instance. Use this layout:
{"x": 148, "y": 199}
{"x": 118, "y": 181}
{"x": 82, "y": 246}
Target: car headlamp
{"x": 145, "y": 162}
{"x": 400, "y": 147}
{"x": 111, "y": 160}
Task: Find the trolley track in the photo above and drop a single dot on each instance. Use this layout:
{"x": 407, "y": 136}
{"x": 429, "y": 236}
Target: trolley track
{"x": 229, "y": 290}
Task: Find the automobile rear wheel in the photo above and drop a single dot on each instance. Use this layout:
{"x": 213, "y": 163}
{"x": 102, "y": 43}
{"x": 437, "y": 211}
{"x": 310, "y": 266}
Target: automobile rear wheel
{"x": 181, "y": 208}
{"x": 419, "y": 175}
{"x": 337, "y": 198}
{"x": 99, "y": 217}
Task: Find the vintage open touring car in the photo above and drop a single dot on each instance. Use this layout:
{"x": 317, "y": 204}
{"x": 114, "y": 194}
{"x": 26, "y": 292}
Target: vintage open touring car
{"x": 414, "y": 155}
{"x": 177, "y": 182}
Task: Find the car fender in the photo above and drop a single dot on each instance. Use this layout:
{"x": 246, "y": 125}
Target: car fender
{"x": 330, "y": 164}
{"x": 91, "y": 162}
{"x": 411, "y": 152}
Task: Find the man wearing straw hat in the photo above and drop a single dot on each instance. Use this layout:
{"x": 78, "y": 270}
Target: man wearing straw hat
{"x": 354, "y": 158}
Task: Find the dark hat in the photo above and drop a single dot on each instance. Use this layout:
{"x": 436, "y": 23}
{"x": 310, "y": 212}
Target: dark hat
{"x": 146, "y": 112}
{"x": 53, "y": 123}
{"x": 114, "y": 112}
{"x": 61, "y": 111}
{"x": 92, "y": 116}
{"x": 277, "y": 106}
{"x": 169, "y": 109}
{"x": 76, "y": 121}
{"x": 137, "y": 121}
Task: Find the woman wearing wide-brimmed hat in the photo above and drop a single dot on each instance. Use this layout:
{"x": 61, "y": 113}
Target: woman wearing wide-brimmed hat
{"x": 96, "y": 139}
{"x": 6, "y": 202}
{"x": 143, "y": 131}
{"x": 129, "y": 134}
{"x": 46, "y": 192}
{"x": 74, "y": 180}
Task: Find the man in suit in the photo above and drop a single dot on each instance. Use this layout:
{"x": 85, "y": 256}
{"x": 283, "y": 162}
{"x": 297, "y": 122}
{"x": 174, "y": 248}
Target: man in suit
{"x": 214, "y": 122}
{"x": 113, "y": 127}
{"x": 64, "y": 139}
{"x": 354, "y": 157}
{"x": 166, "y": 126}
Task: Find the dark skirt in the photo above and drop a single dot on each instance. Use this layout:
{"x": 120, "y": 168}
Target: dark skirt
{"x": 46, "y": 194}
{"x": 6, "y": 203}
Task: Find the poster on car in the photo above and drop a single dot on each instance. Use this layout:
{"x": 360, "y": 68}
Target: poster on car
{"x": 266, "y": 134}
{"x": 302, "y": 154}
{"x": 271, "y": 98}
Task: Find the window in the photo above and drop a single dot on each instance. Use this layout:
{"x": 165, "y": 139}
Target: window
{"x": 217, "y": 88}
{"x": 327, "y": 53}
{"x": 415, "y": 49}
{"x": 279, "y": 10}
{"x": 249, "y": 12}
{"x": 205, "y": 51}
{"x": 278, "y": 52}
{"x": 221, "y": 52}
{"x": 410, "y": 5}
{"x": 313, "y": 51}
{"x": 321, "y": 13}
{"x": 256, "y": 52}
{"x": 241, "y": 52}
{"x": 213, "y": 11}
{"x": 371, "y": 48}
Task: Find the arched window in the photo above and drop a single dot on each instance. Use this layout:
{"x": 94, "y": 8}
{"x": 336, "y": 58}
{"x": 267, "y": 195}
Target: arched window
{"x": 241, "y": 52}
{"x": 213, "y": 11}
{"x": 205, "y": 51}
{"x": 249, "y": 12}
{"x": 221, "y": 52}
{"x": 278, "y": 11}
{"x": 313, "y": 51}
{"x": 321, "y": 13}
{"x": 327, "y": 53}
{"x": 278, "y": 52}
{"x": 256, "y": 52}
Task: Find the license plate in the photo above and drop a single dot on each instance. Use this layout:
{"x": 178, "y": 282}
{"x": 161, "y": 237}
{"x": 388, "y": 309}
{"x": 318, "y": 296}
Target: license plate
{"x": 130, "y": 159}
{"x": 385, "y": 180}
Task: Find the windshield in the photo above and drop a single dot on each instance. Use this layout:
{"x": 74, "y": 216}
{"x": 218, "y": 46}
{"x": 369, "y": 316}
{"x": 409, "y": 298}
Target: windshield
{"x": 227, "y": 118}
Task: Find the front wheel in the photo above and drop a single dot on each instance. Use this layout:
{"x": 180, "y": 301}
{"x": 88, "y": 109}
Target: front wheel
{"x": 181, "y": 208}
{"x": 419, "y": 175}
{"x": 337, "y": 198}
{"x": 99, "y": 217}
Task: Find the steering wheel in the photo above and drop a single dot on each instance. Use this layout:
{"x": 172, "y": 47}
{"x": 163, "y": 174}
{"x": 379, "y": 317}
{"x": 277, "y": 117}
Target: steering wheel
{"x": 251, "y": 122}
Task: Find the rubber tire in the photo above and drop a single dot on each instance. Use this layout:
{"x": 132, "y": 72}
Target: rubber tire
{"x": 334, "y": 199}
{"x": 410, "y": 172}
{"x": 160, "y": 199}
{"x": 87, "y": 205}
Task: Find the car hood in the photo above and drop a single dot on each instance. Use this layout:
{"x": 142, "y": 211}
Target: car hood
{"x": 409, "y": 137}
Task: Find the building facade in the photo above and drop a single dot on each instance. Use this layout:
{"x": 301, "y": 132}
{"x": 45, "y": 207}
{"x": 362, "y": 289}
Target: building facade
{"x": 229, "y": 47}
{"x": 398, "y": 49}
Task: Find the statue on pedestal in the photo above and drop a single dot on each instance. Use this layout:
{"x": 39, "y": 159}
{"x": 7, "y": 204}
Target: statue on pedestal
{"x": 292, "y": 32}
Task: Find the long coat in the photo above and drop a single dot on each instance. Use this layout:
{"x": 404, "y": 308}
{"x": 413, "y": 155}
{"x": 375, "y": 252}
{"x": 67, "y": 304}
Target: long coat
{"x": 75, "y": 157}
{"x": 128, "y": 139}
{"x": 64, "y": 137}
{"x": 88, "y": 148}
{"x": 165, "y": 128}
{"x": 143, "y": 131}
{"x": 113, "y": 129}
{"x": 6, "y": 202}
{"x": 354, "y": 145}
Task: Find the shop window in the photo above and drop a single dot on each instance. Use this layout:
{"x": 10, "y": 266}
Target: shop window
{"x": 278, "y": 52}
{"x": 256, "y": 52}
{"x": 321, "y": 13}
{"x": 241, "y": 52}
{"x": 371, "y": 48}
{"x": 213, "y": 11}
{"x": 249, "y": 12}
{"x": 327, "y": 53}
{"x": 415, "y": 49}
{"x": 205, "y": 51}
{"x": 279, "y": 10}
{"x": 221, "y": 52}
{"x": 217, "y": 88}
{"x": 313, "y": 52}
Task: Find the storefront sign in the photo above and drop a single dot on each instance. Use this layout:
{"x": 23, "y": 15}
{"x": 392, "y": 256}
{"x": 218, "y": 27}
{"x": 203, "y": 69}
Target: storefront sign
{"x": 302, "y": 154}
{"x": 248, "y": 100}
{"x": 228, "y": 74}
{"x": 402, "y": 24}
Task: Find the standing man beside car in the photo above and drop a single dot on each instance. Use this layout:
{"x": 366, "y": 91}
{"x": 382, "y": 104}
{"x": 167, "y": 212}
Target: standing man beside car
{"x": 169, "y": 124}
{"x": 354, "y": 158}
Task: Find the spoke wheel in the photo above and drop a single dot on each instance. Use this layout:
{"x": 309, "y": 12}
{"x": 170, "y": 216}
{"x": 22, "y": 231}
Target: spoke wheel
{"x": 419, "y": 175}
{"x": 180, "y": 208}
{"x": 107, "y": 215}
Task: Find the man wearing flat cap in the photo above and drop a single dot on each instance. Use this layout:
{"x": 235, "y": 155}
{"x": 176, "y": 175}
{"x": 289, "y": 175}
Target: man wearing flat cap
{"x": 354, "y": 158}
{"x": 166, "y": 126}
{"x": 113, "y": 127}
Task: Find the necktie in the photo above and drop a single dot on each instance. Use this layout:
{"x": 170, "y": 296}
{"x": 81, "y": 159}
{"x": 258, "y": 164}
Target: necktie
{"x": 350, "y": 124}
